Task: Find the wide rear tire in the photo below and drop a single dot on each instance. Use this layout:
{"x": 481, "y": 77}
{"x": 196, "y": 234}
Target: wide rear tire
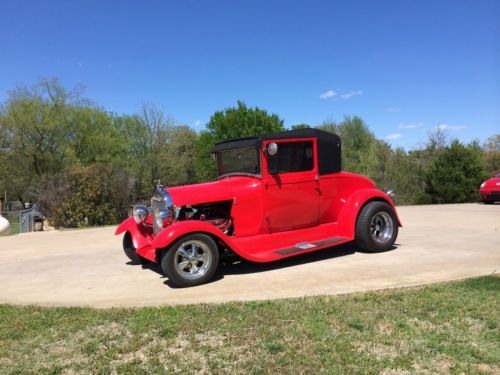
{"x": 191, "y": 260}
{"x": 376, "y": 227}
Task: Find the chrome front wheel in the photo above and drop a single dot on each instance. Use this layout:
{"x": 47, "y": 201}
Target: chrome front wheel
{"x": 190, "y": 261}
{"x": 193, "y": 259}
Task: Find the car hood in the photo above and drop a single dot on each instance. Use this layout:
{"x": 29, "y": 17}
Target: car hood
{"x": 492, "y": 183}
{"x": 224, "y": 189}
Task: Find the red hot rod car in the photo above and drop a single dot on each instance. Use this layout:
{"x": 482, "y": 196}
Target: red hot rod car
{"x": 276, "y": 196}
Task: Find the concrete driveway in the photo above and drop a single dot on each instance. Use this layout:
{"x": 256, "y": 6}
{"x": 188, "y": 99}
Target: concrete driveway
{"x": 88, "y": 267}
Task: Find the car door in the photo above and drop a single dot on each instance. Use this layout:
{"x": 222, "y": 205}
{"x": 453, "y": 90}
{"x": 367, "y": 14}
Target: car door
{"x": 291, "y": 185}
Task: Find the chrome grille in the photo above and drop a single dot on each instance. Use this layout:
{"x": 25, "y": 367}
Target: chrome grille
{"x": 161, "y": 205}
{"x": 157, "y": 204}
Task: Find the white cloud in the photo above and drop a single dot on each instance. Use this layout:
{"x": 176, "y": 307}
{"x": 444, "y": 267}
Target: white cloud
{"x": 411, "y": 126}
{"x": 450, "y": 127}
{"x": 394, "y": 136}
{"x": 328, "y": 94}
{"x": 350, "y": 94}
{"x": 197, "y": 123}
{"x": 336, "y": 95}
{"x": 392, "y": 109}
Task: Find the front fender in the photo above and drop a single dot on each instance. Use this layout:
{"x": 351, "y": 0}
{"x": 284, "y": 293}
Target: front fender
{"x": 140, "y": 238}
{"x": 125, "y": 226}
{"x": 350, "y": 210}
{"x": 181, "y": 228}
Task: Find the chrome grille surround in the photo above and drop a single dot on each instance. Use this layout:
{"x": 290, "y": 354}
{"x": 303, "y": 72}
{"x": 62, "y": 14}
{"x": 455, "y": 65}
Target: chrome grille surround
{"x": 162, "y": 207}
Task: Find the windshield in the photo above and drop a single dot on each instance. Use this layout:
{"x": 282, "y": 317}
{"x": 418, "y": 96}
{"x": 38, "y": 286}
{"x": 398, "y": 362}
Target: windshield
{"x": 239, "y": 160}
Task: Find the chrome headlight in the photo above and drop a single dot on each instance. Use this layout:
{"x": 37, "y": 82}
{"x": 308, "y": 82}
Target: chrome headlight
{"x": 482, "y": 185}
{"x": 140, "y": 213}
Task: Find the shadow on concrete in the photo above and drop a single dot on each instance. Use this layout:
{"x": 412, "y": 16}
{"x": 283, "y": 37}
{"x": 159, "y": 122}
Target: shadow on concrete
{"x": 155, "y": 267}
{"x": 218, "y": 276}
{"x": 242, "y": 266}
{"x": 152, "y": 266}
{"x": 239, "y": 266}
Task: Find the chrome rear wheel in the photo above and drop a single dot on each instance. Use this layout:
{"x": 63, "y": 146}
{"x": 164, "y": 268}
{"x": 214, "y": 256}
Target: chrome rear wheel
{"x": 376, "y": 227}
{"x": 381, "y": 227}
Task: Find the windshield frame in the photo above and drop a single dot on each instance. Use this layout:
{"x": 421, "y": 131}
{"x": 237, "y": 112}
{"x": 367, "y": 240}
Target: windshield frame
{"x": 219, "y": 161}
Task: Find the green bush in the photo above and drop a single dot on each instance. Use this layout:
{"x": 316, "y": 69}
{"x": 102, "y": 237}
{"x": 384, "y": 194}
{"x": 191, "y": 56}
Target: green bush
{"x": 86, "y": 195}
{"x": 455, "y": 174}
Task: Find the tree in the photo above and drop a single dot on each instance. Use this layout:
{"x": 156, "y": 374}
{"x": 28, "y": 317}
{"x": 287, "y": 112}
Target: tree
{"x": 242, "y": 121}
{"x": 93, "y": 137}
{"x": 455, "y": 174}
{"x": 493, "y": 143}
{"x": 157, "y": 126}
{"x": 157, "y": 149}
{"x": 300, "y": 126}
{"x": 178, "y": 157}
{"x": 233, "y": 122}
{"x": 85, "y": 195}
{"x": 46, "y": 128}
{"x": 356, "y": 141}
{"x": 438, "y": 139}
{"x": 491, "y": 154}
{"x": 36, "y": 125}
{"x": 146, "y": 137}
{"x": 205, "y": 169}
{"x": 408, "y": 178}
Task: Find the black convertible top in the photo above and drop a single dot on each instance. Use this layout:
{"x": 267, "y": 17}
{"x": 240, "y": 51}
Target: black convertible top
{"x": 329, "y": 158}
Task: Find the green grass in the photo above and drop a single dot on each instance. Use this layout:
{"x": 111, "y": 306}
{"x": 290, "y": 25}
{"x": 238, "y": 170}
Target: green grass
{"x": 443, "y": 328}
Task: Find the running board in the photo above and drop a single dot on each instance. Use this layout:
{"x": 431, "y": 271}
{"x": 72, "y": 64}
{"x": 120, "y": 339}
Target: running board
{"x": 307, "y": 245}
{"x": 273, "y": 246}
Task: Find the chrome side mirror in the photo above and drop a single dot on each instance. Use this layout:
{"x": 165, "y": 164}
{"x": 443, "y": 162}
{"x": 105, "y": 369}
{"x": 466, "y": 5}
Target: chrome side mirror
{"x": 272, "y": 149}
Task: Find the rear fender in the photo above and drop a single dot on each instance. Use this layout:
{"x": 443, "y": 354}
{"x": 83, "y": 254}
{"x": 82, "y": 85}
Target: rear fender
{"x": 350, "y": 210}
{"x": 173, "y": 232}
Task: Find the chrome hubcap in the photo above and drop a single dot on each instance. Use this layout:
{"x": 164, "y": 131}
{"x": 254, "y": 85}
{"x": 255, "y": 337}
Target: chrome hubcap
{"x": 381, "y": 227}
{"x": 192, "y": 259}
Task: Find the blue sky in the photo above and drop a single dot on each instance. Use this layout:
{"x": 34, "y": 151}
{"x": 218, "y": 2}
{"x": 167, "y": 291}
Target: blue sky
{"x": 403, "y": 66}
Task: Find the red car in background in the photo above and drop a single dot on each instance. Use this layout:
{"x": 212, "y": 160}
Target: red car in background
{"x": 276, "y": 196}
{"x": 490, "y": 189}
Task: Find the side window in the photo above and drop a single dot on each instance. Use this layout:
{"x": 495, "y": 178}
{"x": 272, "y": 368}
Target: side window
{"x": 292, "y": 157}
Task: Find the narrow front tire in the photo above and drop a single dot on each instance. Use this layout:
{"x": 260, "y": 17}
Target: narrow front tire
{"x": 129, "y": 249}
